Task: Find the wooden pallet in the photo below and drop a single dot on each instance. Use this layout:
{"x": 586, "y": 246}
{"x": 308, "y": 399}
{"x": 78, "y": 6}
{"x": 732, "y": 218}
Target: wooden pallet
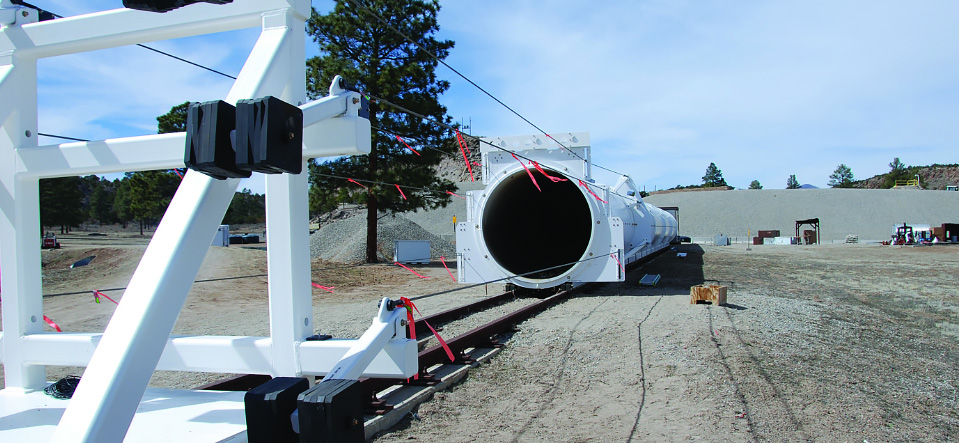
{"x": 708, "y": 293}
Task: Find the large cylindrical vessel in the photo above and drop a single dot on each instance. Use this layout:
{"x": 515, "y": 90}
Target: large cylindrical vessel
{"x": 565, "y": 228}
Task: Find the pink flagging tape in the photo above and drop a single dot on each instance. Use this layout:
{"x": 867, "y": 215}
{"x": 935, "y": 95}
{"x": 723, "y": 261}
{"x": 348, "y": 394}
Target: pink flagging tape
{"x": 407, "y": 146}
{"x": 401, "y": 191}
{"x": 354, "y": 181}
{"x": 530, "y": 174}
{"x": 178, "y": 174}
{"x": 618, "y": 262}
{"x": 56, "y": 326}
{"x": 449, "y": 352}
{"x": 459, "y": 138}
{"x": 443, "y": 260}
{"x": 97, "y": 294}
{"x": 325, "y": 288}
{"x": 408, "y": 269}
{"x": 583, "y": 184}
{"x": 553, "y": 179}
{"x": 456, "y": 195}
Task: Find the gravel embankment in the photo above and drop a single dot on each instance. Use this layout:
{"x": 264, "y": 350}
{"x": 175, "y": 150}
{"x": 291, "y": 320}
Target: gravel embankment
{"x": 344, "y": 241}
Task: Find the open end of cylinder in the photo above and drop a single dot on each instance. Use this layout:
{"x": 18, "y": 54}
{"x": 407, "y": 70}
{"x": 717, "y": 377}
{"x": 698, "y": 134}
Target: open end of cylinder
{"x": 527, "y": 230}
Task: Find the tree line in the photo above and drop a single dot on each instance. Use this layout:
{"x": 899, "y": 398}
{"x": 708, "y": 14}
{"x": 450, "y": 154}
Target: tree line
{"x": 841, "y": 177}
{"x": 139, "y": 198}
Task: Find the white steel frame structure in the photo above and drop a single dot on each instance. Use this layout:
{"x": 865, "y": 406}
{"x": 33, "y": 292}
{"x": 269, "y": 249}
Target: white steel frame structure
{"x": 137, "y": 340}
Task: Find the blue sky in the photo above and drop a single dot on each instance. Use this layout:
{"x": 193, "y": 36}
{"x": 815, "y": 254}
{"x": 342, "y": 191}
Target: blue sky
{"x": 764, "y": 89}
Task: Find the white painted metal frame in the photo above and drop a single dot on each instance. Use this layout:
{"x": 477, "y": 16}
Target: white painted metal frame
{"x": 137, "y": 340}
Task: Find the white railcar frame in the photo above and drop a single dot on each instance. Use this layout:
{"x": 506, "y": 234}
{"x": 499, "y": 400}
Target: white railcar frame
{"x": 137, "y": 340}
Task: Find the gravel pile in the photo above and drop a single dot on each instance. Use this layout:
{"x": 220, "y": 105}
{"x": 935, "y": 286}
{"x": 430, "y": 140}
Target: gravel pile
{"x": 439, "y": 221}
{"x": 344, "y": 241}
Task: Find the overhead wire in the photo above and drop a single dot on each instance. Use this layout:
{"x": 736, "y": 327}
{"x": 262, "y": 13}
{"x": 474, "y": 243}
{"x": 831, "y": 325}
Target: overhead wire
{"x": 452, "y": 128}
{"x": 461, "y": 288}
{"x": 55, "y": 15}
{"x": 361, "y": 5}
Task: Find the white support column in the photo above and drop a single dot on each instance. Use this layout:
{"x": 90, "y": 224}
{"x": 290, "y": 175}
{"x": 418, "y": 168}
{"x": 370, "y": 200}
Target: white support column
{"x": 19, "y": 223}
{"x": 113, "y": 384}
{"x": 287, "y": 218}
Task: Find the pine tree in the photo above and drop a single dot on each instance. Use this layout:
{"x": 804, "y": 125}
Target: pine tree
{"x": 713, "y": 177}
{"x": 755, "y": 185}
{"x": 382, "y": 64}
{"x": 792, "y": 183}
{"x": 842, "y": 177}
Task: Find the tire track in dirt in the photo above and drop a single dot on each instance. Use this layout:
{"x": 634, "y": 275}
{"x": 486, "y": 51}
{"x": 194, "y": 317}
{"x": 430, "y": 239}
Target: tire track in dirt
{"x": 553, "y": 389}
{"x": 770, "y": 384}
{"x": 642, "y": 370}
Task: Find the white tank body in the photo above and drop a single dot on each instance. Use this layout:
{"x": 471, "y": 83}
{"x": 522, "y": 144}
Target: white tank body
{"x": 571, "y": 229}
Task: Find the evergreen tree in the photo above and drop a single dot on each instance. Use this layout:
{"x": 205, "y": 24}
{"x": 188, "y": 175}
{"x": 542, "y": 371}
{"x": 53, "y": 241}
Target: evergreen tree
{"x": 792, "y": 183}
{"x": 121, "y": 201}
{"x": 173, "y": 121}
{"x": 842, "y": 177}
{"x": 755, "y": 185}
{"x": 61, "y": 203}
{"x": 381, "y": 63}
{"x": 897, "y": 171}
{"x": 713, "y": 177}
{"x": 101, "y": 202}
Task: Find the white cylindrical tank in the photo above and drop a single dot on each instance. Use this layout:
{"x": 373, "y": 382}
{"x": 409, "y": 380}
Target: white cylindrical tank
{"x": 569, "y": 229}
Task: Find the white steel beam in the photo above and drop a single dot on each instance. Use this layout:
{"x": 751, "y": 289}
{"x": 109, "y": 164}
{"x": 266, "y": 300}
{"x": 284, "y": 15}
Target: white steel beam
{"x": 121, "y": 367}
{"x": 143, "y": 153}
{"x": 22, "y": 305}
{"x": 104, "y": 404}
{"x": 226, "y": 354}
{"x": 287, "y": 217}
{"x": 121, "y": 27}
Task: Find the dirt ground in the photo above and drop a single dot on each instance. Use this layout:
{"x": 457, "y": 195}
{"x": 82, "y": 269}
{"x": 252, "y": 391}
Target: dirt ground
{"x": 817, "y": 343}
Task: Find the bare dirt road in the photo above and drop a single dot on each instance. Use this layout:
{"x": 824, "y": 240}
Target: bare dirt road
{"x": 821, "y": 343}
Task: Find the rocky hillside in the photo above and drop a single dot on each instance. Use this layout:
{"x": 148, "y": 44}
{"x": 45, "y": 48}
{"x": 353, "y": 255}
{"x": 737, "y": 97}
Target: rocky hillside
{"x": 935, "y": 177}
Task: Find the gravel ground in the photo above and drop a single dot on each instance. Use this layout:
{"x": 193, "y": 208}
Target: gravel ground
{"x": 817, "y": 343}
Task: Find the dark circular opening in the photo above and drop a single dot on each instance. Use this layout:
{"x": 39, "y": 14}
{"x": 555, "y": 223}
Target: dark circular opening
{"x": 527, "y": 230}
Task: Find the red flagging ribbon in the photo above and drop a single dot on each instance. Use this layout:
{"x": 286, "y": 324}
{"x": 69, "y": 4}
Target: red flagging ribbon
{"x": 408, "y": 146}
{"x": 325, "y": 288}
{"x": 553, "y": 179}
{"x": 462, "y": 143}
{"x": 97, "y": 294}
{"x": 618, "y": 262}
{"x": 454, "y": 195}
{"x": 583, "y": 184}
{"x": 178, "y": 174}
{"x": 530, "y": 174}
{"x": 408, "y": 269}
{"x": 408, "y": 304}
{"x": 57, "y": 327}
{"x": 401, "y": 191}
{"x": 354, "y": 181}
{"x": 443, "y": 260}
{"x": 449, "y": 352}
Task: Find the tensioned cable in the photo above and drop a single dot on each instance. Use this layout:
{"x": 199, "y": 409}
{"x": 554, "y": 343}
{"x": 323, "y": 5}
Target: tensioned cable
{"x": 357, "y": 266}
{"x": 506, "y": 278}
{"x": 185, "y": 61}
{"x": 63, "y": 137}
{"x": 450, "y": 127}
{"x": 361, "y": 5}
{"x": 41, "y": 10}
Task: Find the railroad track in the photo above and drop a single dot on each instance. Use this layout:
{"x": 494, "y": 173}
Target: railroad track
{"x": 390, "y": 400}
